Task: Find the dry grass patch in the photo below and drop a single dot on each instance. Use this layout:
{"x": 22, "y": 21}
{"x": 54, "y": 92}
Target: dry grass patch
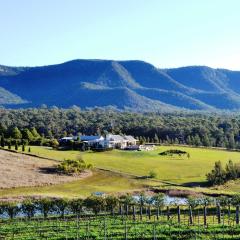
{"x": 18, "y": 170}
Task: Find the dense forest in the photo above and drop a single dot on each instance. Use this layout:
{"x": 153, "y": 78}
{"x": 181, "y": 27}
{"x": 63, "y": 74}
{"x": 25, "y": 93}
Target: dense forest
{"x": 199, "y": 129}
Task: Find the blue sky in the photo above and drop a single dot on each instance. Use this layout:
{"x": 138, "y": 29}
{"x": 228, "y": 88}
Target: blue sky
{"x": 167, "y": 33}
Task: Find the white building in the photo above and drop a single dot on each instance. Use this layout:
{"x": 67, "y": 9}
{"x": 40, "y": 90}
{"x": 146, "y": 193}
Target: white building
{"x": 118, "y": 141}
{"x": 91, "y": 140}
{"x": 110, "y": 141}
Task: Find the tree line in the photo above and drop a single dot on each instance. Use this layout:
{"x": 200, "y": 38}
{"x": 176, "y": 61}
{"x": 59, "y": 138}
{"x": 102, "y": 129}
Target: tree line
{"x": 197, "y": 129}
{"x": 13, "y": 136}
{"x": 125, "y": 205}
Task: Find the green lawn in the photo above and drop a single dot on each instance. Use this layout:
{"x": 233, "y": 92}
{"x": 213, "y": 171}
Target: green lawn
{"x": 177, "y": 172}
{"x": 173, "y": 169}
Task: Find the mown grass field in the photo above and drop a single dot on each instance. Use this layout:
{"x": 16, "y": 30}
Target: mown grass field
{"x": 173, "y": 169}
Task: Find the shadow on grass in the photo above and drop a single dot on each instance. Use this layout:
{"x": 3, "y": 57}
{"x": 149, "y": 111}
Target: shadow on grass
{"x": 49, "y": 170}
{"x": 143, "y": 177}
{"x": 196, "y": 184}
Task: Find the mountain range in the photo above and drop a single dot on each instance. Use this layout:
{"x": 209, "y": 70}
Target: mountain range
{"x": 132, "y": 85}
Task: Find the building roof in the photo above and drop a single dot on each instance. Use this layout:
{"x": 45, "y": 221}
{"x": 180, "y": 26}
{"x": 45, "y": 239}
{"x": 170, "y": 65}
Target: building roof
{"x": 83, "y": 138}
{"x": 66, "y": 138}
{"x": 91, "y": 138}
{"x": 110, "y": 137}
{"x": 130, "y": 138}
{"x": 116, "y": 138}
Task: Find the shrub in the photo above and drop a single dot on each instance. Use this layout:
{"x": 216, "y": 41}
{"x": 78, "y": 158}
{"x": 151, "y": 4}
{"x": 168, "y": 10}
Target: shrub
{"x": 152, "y": 174}
{"x": 54, "y": 143}
{"x": 69, "y": 166}
{"x": 173, "y": 151}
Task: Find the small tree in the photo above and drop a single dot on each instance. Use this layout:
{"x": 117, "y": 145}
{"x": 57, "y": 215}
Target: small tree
{"x": 156, "y": 139}
{"x": 16, "y": 146}
{"x": 218, "y": 175}
{"x": 158, "y": 201}
{"x": 2, "y": 141}
{"x": 127, "y": 200}
{"x": 45, "y": 206}
{"x": 193, "y": 202}
{"x": 34, "y": 132}
{"x": 16, "y": 134}
{"x": 27, "y": 135}
{"x": 29, "y": 149}
{"x": 76, "y": 206}
{"x": 111, "y": 203}
{"x": 2, "y": 208}
{"x": 236, "y": 199}
{"x": 206, "y": 201}
{"x": 61, "y": 205}
{"x": 29, "y": 208}
{"x": 95, "y": 203}
{"x": 11, "y": 209}
{"x": 231, "y": 170}
{"x": 23, "y": 148}
{"x": 142, "y": 200}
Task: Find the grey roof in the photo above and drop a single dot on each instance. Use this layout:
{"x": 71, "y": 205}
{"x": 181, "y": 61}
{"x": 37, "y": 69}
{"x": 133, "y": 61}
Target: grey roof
{"x": 130, "y": 138}
{"x": 91, "y": 138}
{"x": 119, "y": 138}
{"x": 83, "y": 138}
{"x": 116, "y": 138}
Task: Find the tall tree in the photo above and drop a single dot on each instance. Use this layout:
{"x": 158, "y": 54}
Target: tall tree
{"x": 26, "y": 134}
{"x": 16, "y": 134}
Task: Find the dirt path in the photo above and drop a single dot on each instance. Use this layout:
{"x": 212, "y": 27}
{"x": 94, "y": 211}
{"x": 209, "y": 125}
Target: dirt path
{"x": 18, "y": 170}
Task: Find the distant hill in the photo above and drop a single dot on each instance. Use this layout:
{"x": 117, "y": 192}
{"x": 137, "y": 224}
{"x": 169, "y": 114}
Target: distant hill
{"x": 133, "y": 85}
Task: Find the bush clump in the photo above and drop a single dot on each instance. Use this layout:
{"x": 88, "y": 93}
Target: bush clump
{"x": 152, "y": 174}
{"x": 172, "y": 152}
{"x": 70, "y": 166}
{"x": 219, "y": 175}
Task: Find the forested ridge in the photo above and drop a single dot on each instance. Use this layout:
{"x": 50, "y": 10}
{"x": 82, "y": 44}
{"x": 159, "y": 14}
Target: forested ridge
{"x": 127, "y": 85}
{"x": 183, "y": 128}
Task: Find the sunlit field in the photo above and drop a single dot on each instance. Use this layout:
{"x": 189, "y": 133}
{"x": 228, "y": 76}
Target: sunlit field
{"x": 175, "y": 169}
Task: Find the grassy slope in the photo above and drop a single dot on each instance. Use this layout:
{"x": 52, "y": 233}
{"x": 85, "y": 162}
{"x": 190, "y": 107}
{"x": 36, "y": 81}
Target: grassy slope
{"x": 100, "y": 181}
{"x": 173, "y": 169}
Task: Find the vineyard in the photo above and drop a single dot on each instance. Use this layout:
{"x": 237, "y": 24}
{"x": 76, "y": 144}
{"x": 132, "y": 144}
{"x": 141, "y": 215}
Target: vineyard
{"x": 114, "y": 228}
{"x": 123, "y": 221}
